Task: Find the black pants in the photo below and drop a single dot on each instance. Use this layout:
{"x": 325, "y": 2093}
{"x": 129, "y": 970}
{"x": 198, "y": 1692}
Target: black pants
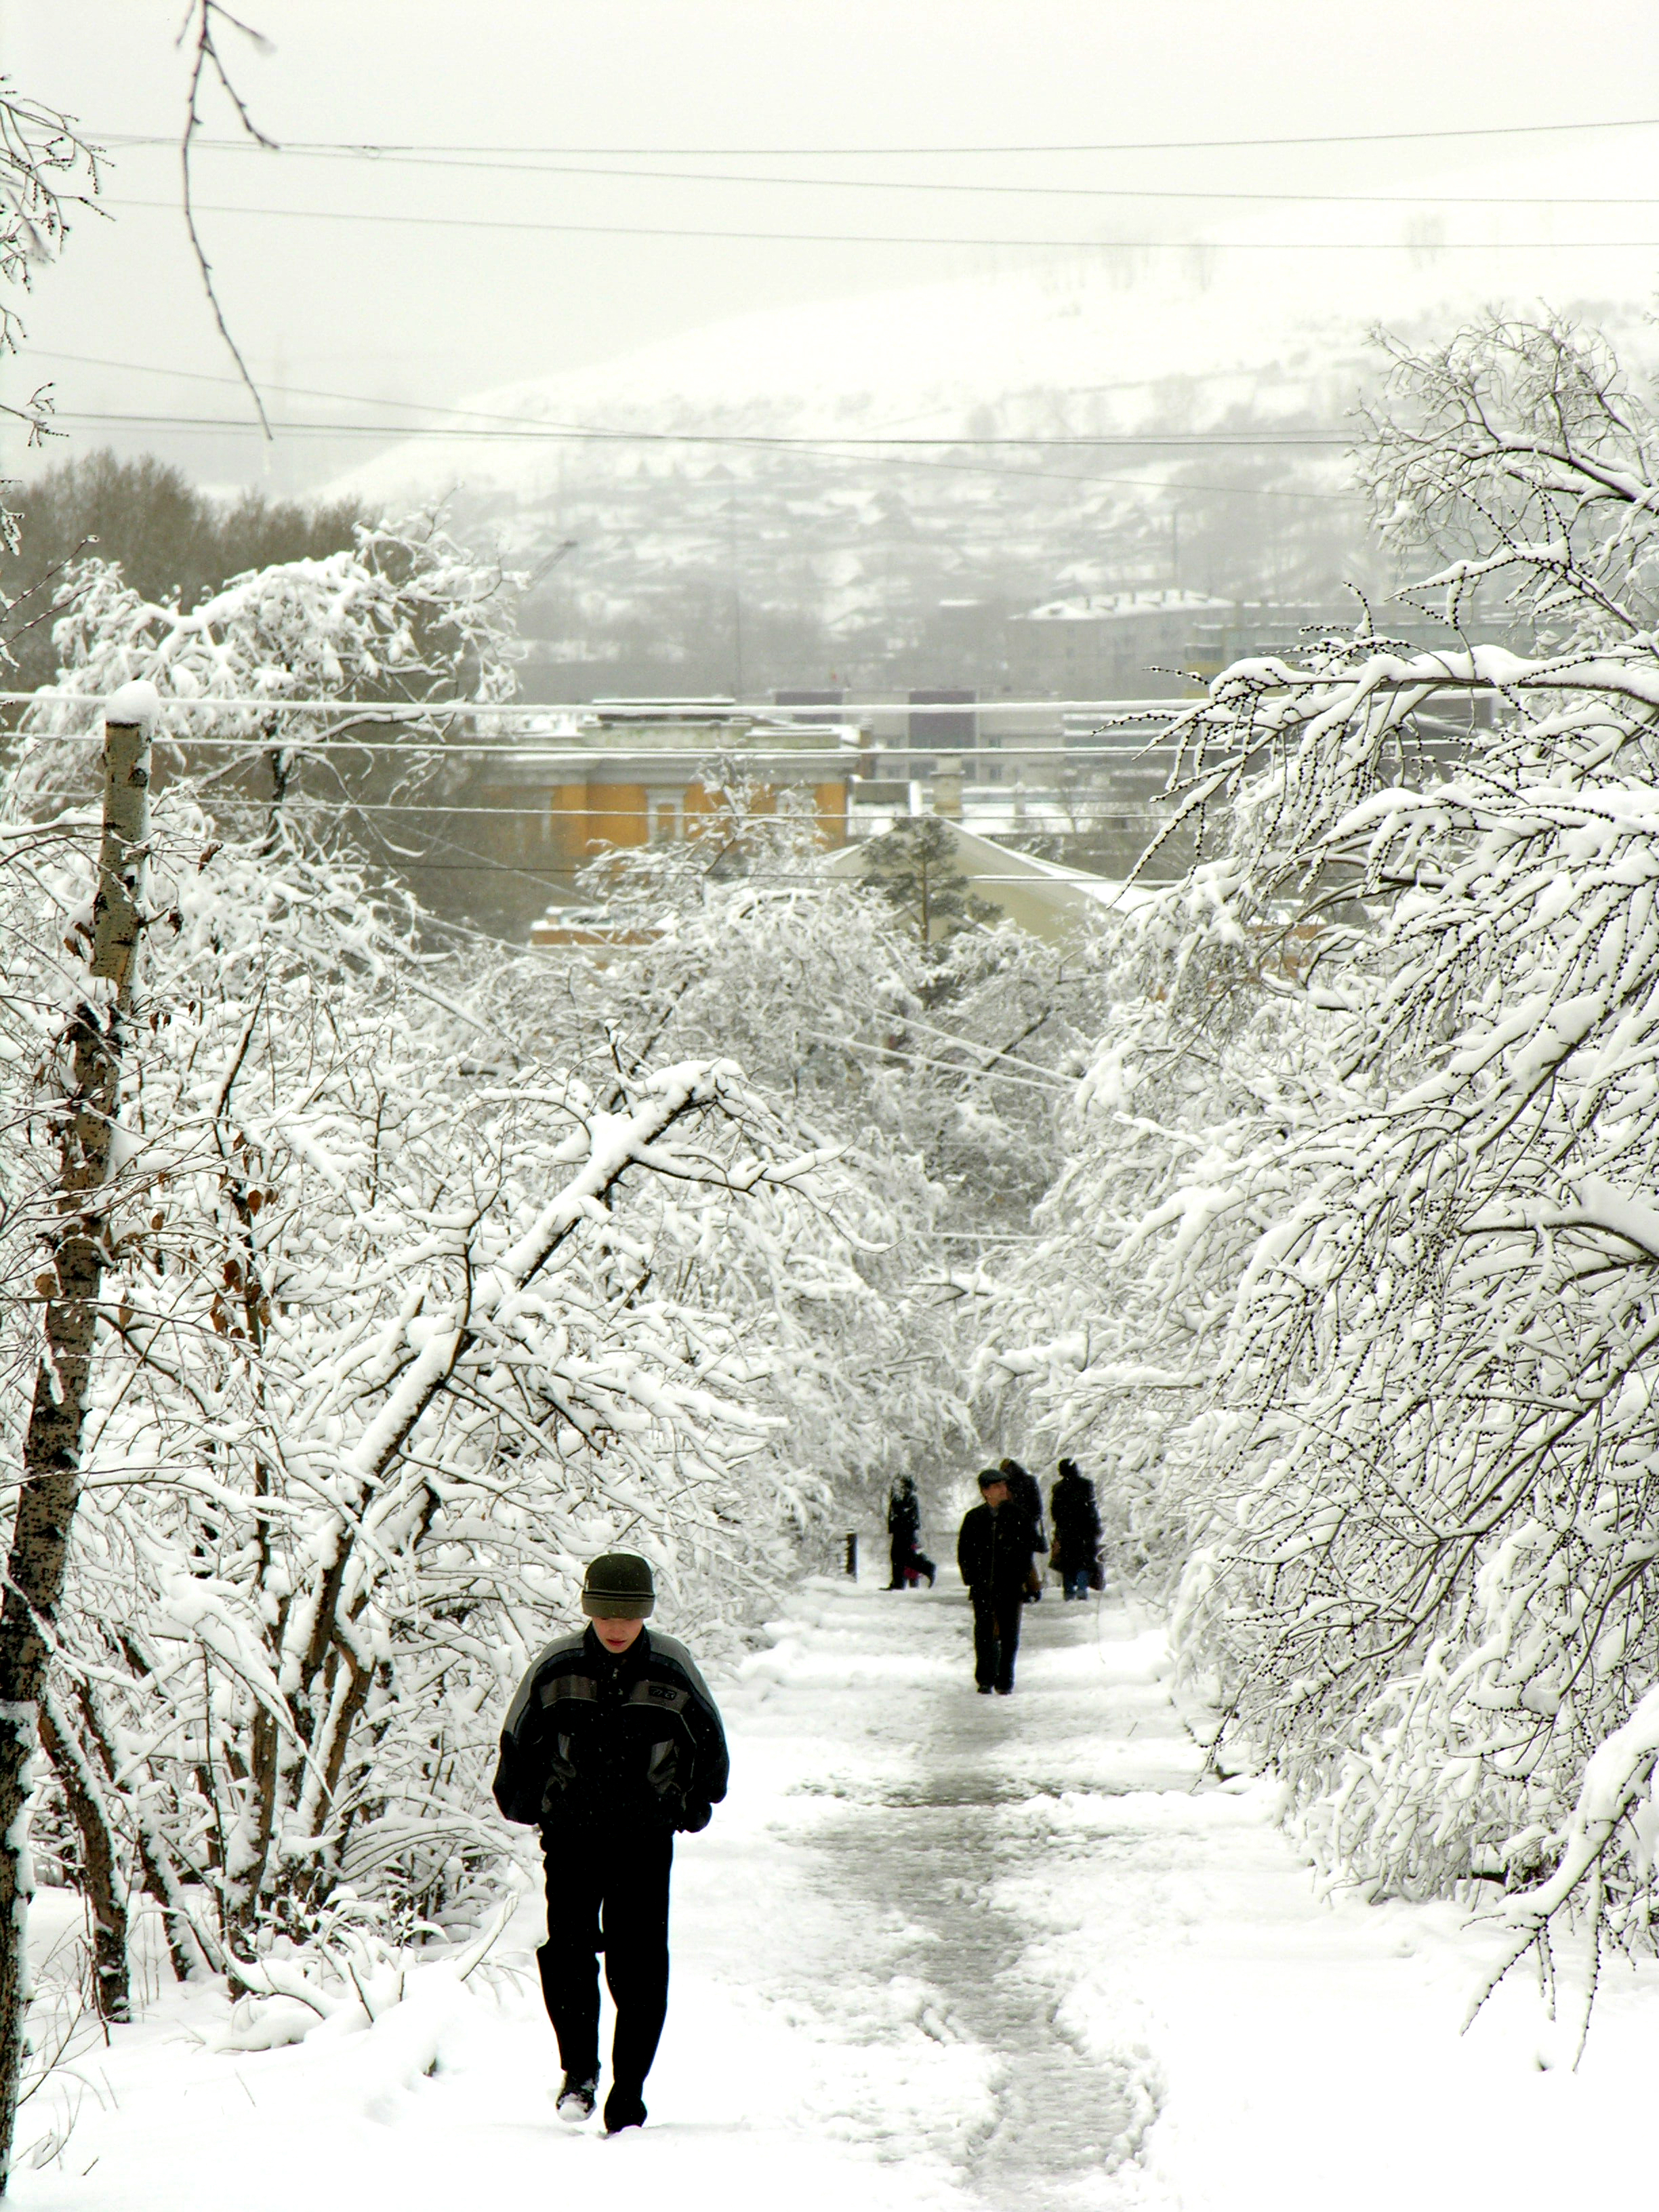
{"x": 996, "y": 1636}
{"x": 908, "y": 1563}
{"x": 607, "y": 1891}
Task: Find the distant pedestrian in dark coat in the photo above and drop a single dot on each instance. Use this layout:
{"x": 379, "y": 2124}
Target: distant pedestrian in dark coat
{"x": 994, "y": 1552}
{"x": 1076, "y": 1555}
{"x": 611, "y": 1744}
{"x": 1027, "y": 1493}
{"x": 903, "y": 1530}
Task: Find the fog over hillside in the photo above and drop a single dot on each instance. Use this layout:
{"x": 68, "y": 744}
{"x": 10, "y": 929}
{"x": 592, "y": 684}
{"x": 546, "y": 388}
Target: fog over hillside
{"x": 684, "y": 557}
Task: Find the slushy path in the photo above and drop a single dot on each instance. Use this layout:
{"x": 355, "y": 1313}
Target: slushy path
{"x": 938, "y": 1953}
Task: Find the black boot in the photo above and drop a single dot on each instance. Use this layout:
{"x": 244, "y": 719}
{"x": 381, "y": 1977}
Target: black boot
{"x": 577, "y": 2099}
{"x": 623, "y": 2108}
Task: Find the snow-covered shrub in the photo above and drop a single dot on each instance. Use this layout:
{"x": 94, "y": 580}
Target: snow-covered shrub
{"x": 404, "y": 618}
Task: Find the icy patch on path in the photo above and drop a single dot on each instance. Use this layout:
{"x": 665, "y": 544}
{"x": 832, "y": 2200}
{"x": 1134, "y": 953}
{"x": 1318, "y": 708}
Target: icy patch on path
{"x": 912, "y": 1845}
{"x": 1157, "y": 2010}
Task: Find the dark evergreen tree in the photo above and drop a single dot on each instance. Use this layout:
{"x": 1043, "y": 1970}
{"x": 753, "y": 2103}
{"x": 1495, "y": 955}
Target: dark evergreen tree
{"x": 915, "y": 866}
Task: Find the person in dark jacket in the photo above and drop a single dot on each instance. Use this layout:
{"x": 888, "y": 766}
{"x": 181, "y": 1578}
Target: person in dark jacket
{"x": 1076, "y": 1556}
{"x": 1027, "y": 1493}
{"x": 611, "y": 1744}
{"x": 994, "y": 1552}
{"x": 904, "y": 1528}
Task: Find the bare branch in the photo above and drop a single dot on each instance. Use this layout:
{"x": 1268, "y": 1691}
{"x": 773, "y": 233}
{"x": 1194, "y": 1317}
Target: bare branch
{"x": 205, "y": 58}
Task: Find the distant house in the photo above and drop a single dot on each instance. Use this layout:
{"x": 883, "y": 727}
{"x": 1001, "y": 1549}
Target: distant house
{"x": 632, "y": 772}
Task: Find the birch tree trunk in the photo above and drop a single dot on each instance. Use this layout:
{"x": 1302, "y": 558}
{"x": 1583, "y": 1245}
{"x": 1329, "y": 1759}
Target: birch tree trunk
{"x": 101, "y": 1856}
{"x": 89, "y": 1066}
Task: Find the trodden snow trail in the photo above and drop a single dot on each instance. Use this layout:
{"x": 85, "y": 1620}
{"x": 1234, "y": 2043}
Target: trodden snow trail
{"x": 931, "y": 1840}
{"x": 938, "y": 1953}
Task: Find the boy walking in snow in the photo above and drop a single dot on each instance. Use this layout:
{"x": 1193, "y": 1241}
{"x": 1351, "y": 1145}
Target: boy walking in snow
{"x": 611, "y": 1744}
{"x": 993, "y": 1553}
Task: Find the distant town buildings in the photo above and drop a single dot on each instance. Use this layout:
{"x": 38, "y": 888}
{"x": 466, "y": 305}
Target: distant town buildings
{"x": 1066, "y": 758}
{"x": 1108, "y": 645}
{"x": 1152, "y": 644}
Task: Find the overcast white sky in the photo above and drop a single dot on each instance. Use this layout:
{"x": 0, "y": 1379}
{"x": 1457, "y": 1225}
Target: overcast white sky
{"x": 410, "y": 311}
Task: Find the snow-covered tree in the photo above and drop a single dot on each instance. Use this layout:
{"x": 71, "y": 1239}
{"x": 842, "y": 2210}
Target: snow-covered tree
{"x": 1104, "y": 1340}
{"x": 403, "y": 618}
{"x": 391, "y": 1340}
{"x": 931, "y": 1068}
{"x": 915, "y": 868}
{"x": 1426, "y": 1587}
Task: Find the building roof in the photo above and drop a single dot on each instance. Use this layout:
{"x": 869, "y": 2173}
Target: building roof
{"x": 1126, "y": 606}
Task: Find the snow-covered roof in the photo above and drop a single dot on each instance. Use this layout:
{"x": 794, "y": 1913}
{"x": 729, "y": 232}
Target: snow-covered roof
{"x": 1126, "y": 606}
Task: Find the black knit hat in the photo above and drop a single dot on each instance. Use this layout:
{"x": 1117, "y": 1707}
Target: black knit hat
{"x": 618, "y": 1586}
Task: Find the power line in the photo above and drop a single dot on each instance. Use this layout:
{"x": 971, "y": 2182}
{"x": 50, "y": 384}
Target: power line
{"x": 610, "y": 740}
{"x": 830, "y": 443}
{"x": 704, "y": 756}
{"x": 899, "y": 238}
{"x": 577, "y": 432}
{"x": 483, "y": 414}
{"x": 404, "y": 432}
{"x": 369, "y": 149}
{"x": 528, "y": 167}
{"x": 1078, "y": 802}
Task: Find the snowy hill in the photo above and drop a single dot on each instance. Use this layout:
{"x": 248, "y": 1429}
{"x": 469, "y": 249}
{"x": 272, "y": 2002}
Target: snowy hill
{"x": 1260, "y": 328}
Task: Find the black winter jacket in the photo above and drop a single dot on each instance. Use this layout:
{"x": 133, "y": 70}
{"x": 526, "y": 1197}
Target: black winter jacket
{"x": 903, "y": 1515}
{"x": 1077, "y": 1524}
{"x": 994, "y": 1549}
{"x": 591, "y": 1737}
{"x": 1025, "y": 1492}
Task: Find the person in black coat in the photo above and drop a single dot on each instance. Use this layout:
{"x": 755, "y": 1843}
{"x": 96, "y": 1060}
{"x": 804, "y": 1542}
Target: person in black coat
{"x": 994, "y": 1552}
{"x": 907, "y": 1564}
{"x": 1076, "y": 1555}
{"x": 1027, "y": 1493}
{"x": 611, "y": 1744}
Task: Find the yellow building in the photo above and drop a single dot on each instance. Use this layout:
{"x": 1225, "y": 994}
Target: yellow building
{"x": 640, "y": 772}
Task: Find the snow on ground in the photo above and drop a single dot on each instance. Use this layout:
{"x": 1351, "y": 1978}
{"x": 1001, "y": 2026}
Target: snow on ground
{"x": 936, "y": 1951}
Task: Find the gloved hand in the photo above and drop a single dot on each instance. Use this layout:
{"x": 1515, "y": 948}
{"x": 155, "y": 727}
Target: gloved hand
{"x": 693, "y": 1815}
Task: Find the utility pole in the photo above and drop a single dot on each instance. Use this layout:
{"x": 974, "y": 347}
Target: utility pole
{"x": 737, "y": 602}
{"x": 88, "y": 1065}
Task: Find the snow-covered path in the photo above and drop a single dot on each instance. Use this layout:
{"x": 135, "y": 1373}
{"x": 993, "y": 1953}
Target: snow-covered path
{"x": 937, "y": 1951}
